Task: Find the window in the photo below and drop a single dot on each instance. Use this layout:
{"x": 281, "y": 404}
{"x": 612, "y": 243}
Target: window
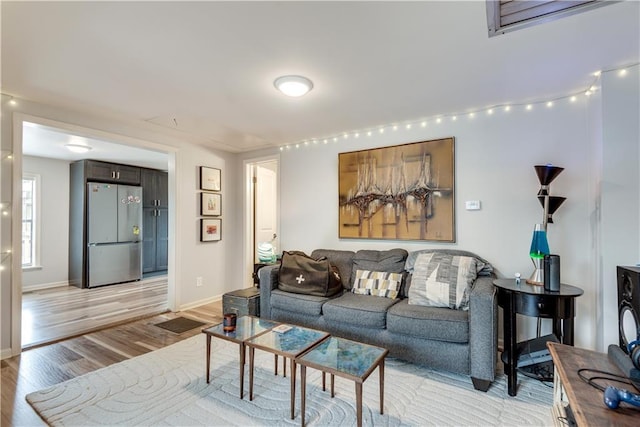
{"x": 510, "y": 15}
{"x": 30, "y": 220}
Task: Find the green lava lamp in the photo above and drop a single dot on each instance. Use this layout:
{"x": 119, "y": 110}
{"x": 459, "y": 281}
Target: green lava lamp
{"x": 539, "y": 248}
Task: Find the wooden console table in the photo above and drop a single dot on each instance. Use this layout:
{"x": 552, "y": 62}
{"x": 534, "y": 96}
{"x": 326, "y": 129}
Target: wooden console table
{"x": 586, "y": 402}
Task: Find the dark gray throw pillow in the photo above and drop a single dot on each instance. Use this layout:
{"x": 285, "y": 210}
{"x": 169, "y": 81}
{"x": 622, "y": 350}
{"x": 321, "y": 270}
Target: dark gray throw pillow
{"x": 390, "y": 261}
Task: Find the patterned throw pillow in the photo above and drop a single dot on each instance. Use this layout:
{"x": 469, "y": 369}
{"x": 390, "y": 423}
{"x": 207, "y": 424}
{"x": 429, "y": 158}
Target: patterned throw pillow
{"x": 443, "y": 280}
{"x": 377, "y": 283}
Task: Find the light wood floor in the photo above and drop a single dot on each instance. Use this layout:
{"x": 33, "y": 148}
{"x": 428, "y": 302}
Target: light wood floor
{"x": 43, "y": 366}
{"x": 63, "y": 312}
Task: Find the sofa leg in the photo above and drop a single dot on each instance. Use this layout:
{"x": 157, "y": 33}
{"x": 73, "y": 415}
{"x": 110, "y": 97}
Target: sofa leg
{"x": 481, "y": 385}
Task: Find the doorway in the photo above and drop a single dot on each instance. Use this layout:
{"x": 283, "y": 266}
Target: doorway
{"x": 262, "y": 208}
{"x": 107, "y": 147}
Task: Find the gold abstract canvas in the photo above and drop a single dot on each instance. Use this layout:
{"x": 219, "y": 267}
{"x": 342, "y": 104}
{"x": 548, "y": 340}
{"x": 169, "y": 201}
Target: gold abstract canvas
{"x": 404, "y": 192}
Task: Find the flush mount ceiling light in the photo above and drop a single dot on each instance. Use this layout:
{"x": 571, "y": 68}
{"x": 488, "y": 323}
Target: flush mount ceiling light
{"x": 294, "y": 86}
{"x": 77, "y": 148}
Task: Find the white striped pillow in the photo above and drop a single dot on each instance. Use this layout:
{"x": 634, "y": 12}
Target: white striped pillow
{"x": 377, "y": 283}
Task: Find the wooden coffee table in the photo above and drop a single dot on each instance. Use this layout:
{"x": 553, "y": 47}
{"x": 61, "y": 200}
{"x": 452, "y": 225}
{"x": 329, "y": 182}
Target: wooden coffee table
{"x": 289, "y": 344}
{"x": 247, "y": 327}
{"x": 344, "y": 358}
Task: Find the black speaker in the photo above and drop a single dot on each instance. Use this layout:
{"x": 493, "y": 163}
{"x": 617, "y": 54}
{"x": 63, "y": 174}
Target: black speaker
{"x": 628, "y": 306}
{"x": 551, "y": 272}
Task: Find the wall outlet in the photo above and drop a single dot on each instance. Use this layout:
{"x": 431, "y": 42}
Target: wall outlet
{"x": 198, "y": 281}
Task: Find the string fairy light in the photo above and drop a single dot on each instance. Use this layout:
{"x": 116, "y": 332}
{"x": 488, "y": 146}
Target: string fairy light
{"x": 492, "y": 109}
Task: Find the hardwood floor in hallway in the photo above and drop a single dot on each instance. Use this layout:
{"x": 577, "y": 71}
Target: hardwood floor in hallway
{"x": 57, "y": 313}
{"x": 44, "y": 366}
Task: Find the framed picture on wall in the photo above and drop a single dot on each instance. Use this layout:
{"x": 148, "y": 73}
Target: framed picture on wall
{"x": 210, "y": 179}
{"x": 210, "y": 204}
{"x": 402, "y": 192}
{"x": 210, "y": 230}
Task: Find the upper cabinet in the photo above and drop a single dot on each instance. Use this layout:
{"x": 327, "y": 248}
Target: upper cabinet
{"x": 155, "y": 188}
{"x": 112, "y": 172}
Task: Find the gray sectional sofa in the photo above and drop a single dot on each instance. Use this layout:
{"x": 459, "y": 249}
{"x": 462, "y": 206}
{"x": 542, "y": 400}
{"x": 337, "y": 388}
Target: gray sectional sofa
{"x": 461, "y": 341}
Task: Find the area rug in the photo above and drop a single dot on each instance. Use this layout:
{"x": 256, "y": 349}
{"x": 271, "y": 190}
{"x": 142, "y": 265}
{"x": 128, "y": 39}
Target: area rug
{"x": 179, "y": 325}
{"x": 168, "y": 387}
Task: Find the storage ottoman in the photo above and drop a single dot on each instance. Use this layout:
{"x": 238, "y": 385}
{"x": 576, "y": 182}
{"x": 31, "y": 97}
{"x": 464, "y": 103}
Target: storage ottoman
{"x": 242, "y": 302}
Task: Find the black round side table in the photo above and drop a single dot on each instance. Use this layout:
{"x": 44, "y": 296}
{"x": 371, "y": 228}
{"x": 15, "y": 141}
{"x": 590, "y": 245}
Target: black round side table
{"x": 519, "y": 297}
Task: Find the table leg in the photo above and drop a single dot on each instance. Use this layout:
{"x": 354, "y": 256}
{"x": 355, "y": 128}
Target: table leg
{"x": 324, "y": 375}
{"x": 242, "y": 359}
{"x": 333, "y": 391}
{"x": 208, "y": 356}
{"x": 557, "y": 329}
{"x": 284, "y": 367}
{"x": 359, "y": 402}
{"x": 275, "y": 363}
{"x": 303, "y": 391}
{"x": 567, "y": 331}
{"x": 293, "y": 386}
{"x": 381, "y": 370}
{"x": 510, "y": 334}
{"x": 251, "y": 356}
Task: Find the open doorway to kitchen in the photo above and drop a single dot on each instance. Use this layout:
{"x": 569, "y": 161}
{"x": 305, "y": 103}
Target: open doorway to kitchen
{"x": 262, "y": 213}
{"x": 50, "y": 308}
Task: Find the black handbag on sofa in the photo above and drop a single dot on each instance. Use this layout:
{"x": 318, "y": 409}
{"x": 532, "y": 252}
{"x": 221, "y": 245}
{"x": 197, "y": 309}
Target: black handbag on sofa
{"x": 301, "y": 274}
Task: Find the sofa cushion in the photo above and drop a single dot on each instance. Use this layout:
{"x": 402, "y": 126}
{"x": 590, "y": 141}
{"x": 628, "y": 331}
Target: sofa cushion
{"x": 377, "y": 283}
{"x": 443, "y": 280}
{"x": 391, "y": 261}
{"x": 364, "y": 311}
{"x": 297, "y": 303}
{"x": 486, "y": 268}
{"x": 341, "y": 259}
{"x": 433, "y": 323}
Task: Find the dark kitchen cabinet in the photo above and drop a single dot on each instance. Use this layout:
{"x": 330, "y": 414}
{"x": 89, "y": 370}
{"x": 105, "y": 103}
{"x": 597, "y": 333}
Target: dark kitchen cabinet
{"x": 155, "y": 200}
{"x": 155, "y": 242}
{"x": 112, "y": 172}
{"x": 155, "y": 188}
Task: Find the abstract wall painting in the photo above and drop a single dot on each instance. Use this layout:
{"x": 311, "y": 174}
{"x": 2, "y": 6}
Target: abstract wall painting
{"x": 402, "y": 192}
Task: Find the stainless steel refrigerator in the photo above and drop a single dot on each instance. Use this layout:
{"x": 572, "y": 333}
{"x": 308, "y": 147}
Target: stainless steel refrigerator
{"x": 114, "y": 233}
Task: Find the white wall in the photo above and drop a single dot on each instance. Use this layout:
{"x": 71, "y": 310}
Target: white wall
{"x": 620, "y": 186}
{"x": 217, "y": 263}
{"x": 495, "y": 155}
{"x": 53, "y": 268}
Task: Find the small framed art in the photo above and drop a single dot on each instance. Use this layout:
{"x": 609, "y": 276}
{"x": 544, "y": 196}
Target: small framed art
{"x": 210, "y": 179}
{"x": 210, "y": 204}
{"x": 210, "y": 230}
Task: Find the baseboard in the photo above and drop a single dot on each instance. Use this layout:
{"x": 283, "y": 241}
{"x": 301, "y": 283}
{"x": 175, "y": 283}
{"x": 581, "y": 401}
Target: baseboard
{"x": 5, "y": 353}
{"x": 200, "y": 302}
{"x": 41, "y": 286}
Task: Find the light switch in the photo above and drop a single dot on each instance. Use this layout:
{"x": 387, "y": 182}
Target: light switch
{"x": 472, "y": 205}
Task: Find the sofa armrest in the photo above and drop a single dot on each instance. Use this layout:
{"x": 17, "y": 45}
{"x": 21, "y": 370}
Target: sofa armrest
{"x": 268, "y": 276}
{"x": 483, "y": 328}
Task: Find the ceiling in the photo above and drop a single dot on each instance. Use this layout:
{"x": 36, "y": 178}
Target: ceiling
{"x": 48, "y": 142}
{"x": 205, "y": 70}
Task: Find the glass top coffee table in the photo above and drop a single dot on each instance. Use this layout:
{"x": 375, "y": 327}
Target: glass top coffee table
{"x": 290, "y": 344}
{"x": 246, "y": 327}
{"x": 344, "y": 358}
